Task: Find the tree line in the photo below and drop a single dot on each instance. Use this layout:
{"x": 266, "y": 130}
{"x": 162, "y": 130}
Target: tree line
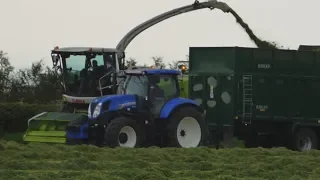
{"x": 40, "y": 83}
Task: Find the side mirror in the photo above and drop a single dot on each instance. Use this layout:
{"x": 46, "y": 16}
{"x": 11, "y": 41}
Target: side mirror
{"x": 55, "y": 60}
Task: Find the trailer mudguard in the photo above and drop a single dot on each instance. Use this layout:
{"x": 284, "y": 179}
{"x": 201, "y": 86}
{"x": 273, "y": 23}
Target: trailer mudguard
{"x": 171, "y": 105}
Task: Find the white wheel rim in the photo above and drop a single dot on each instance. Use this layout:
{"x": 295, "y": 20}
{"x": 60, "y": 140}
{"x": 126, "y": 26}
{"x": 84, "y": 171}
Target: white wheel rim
{"x": 189, "y": 132}
{"x": 131, "y": 135}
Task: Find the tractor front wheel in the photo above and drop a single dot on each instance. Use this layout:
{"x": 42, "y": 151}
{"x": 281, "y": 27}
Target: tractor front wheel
{"x": 123, "y": 132}
{"x": 186, "y": 128}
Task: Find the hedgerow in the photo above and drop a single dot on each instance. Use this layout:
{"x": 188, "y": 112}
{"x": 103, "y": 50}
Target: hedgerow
{"x": 14, "y": 116}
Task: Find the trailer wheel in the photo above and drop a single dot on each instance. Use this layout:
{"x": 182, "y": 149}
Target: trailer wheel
{"x": 305, "y": 139}
{"x": 123, "y": 132}
{"x": 186, "y": 128}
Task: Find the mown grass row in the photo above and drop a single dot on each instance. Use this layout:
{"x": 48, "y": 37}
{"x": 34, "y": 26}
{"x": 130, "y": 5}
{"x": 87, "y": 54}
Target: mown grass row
{"x": 44, "y": 161}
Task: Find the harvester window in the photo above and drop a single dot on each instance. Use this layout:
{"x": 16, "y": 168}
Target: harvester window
{"x": 98, "y": 59}
{"x": 76, "y": 63}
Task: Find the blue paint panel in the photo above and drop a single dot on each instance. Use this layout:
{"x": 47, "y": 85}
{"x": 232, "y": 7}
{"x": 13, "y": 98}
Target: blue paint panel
{"x": 167, "y": 109}
{"x": 78, "y": 135}
{"x": 116, "y": 102}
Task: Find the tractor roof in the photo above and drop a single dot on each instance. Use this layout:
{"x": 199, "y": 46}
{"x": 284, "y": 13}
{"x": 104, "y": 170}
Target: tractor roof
{"x": 153, "y": 71}
{"x": 84, "y": 49}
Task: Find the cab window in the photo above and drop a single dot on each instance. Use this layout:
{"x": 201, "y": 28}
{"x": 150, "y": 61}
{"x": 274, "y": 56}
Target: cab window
{"x": 168, "y": 84}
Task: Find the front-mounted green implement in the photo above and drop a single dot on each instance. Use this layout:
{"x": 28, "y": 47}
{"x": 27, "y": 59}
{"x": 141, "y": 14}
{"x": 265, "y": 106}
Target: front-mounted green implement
{"x": 50, "y": 126}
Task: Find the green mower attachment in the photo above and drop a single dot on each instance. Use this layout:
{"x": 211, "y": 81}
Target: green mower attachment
{"x": 50, "y": 127}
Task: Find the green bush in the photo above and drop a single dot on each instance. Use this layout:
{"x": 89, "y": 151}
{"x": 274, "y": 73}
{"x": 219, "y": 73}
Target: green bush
{"x": 14, "y": 116}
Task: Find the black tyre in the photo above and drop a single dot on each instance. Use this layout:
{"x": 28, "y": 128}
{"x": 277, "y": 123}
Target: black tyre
{"x": 251, "y": 140}
{"x": 123, "y": 132}
{"x": 305, "y": 139}
{"x": 186, "y": 128}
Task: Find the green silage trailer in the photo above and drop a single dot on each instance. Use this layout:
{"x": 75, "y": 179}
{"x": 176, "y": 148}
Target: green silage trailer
{"x": 265, "y": 97}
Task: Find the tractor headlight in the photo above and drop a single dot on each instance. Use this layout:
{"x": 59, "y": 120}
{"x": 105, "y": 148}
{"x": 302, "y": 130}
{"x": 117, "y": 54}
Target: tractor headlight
{"x": 89, "y": 111}
{"x": 97, "y": 110}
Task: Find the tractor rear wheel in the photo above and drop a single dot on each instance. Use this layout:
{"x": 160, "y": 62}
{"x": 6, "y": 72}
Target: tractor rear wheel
{"x": 186, "y": 128}
{"x": 123, "y": 132}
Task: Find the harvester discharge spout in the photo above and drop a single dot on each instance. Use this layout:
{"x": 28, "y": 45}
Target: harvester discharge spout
{"x": 125, "y": 41}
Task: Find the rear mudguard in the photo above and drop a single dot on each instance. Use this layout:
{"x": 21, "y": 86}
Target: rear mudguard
{"x": 176, "y": 103}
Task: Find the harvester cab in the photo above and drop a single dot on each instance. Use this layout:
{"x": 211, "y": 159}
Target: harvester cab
{"x": 87, "y": 73}
{"x": 149, "y": 111}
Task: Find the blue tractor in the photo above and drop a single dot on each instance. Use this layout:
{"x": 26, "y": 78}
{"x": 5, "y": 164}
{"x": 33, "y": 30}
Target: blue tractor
{"x": 149, "y": 111}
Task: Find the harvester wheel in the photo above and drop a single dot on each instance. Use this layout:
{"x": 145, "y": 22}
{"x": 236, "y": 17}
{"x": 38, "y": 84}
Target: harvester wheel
{"x": 186, "y": 128}
{"x": 123, "y": 132}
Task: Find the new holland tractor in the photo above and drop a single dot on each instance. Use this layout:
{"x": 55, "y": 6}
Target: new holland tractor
{"x": 149, "y": 111}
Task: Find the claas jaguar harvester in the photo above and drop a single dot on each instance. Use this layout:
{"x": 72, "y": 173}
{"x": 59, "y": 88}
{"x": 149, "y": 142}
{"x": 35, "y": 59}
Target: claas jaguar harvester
{"x": 144, "y": 114}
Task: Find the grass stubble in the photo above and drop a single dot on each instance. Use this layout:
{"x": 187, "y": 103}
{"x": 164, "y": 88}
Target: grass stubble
{"x": 56, "y": 161}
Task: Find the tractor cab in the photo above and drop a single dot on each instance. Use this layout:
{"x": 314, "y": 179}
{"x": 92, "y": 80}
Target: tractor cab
{"x": 86, "y": 72}
{"x": 154, "y": 87}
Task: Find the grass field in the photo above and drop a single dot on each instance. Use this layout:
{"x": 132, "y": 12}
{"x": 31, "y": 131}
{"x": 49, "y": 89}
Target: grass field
{"x": 45, "y": 162}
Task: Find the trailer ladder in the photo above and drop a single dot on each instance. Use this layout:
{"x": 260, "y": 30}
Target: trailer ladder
{"x": 247, "y": 102}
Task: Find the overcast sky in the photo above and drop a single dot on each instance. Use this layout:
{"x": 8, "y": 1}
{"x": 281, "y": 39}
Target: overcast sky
{"x": 31, "y": 28}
